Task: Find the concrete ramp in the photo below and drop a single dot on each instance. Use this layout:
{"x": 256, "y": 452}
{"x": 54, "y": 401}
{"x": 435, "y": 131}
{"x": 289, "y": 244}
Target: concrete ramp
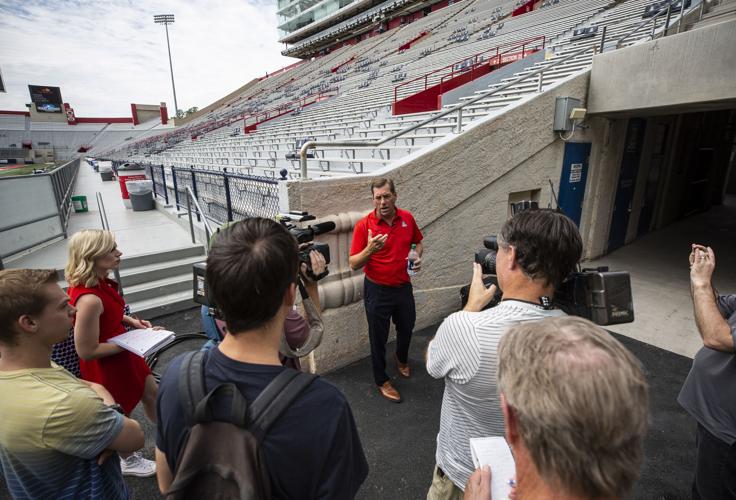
{"x": 658, "y": 263}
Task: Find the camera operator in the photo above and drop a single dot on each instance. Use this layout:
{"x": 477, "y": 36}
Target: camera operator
{"x": 297, "y": 327}
{"x": 537, "y": 249}
{"x": 707, "y": 394}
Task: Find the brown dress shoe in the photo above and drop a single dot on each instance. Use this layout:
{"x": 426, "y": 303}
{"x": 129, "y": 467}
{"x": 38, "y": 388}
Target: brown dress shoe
{"x": 403, "y": 368}
{"x": 389, "y": 392}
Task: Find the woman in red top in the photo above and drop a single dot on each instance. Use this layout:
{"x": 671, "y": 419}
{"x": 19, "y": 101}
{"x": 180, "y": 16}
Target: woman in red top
{"x": 92, "y": 255}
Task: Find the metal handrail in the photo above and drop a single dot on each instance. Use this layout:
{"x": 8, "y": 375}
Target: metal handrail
{"x": 207, "y": 229}
{"x": 459, "y": 107}
{"x": 106, "y": 227}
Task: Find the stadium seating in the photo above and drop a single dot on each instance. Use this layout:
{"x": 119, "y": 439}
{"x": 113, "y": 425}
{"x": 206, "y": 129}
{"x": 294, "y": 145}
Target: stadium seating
{"x": 362, "y": 78}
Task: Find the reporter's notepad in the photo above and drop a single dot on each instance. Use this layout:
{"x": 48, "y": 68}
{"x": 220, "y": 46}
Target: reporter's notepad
{"x": 495, "y": 452}
{"x": 143, "y": 341}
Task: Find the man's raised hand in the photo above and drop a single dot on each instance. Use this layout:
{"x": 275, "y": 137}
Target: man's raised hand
{"x": 478, "y": 296}
{"x": 376, "y": 243}
{"x": 702, "y": 265}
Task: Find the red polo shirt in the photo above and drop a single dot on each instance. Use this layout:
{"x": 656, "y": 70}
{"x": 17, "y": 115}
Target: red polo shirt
{"x": 388, "y": 265}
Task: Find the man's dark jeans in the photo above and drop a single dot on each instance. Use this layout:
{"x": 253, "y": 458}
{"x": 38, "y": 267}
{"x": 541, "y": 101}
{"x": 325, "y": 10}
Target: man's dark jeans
{"x": 382, "y": 304}
{"x": 715, "y": 468}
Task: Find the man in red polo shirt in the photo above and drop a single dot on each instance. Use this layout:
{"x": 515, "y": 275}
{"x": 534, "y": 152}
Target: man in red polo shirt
{"x": 381, "y": 243}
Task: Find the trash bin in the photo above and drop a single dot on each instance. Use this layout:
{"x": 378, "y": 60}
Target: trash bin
{"x": 140, "y": 193}
{"x": 80, "y": 204}
{"x": 129, "y": 172}
{"x": 105, "y": 168}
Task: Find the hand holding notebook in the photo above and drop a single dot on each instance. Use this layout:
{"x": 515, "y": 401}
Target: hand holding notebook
{"x": 143, "y": 341}
{"x": 495, "y": 452}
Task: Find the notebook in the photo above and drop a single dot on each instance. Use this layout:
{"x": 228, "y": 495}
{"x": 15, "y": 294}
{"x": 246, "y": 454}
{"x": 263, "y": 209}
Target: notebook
{"x": 495, "y": 452}
{"x": 143, "y": 341}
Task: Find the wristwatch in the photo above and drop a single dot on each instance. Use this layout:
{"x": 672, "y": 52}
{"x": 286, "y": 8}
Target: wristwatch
{"x": 117, "y": 408}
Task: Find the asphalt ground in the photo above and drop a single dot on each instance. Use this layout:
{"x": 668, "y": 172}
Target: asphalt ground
{"x": 399, "y": 439}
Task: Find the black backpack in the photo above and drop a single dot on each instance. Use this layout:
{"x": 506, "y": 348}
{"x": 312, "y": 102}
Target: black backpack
{"x": 223, "y": 459}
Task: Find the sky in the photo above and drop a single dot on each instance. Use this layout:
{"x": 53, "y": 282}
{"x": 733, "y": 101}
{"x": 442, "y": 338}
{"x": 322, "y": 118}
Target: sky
{"x": 106, "y": 54}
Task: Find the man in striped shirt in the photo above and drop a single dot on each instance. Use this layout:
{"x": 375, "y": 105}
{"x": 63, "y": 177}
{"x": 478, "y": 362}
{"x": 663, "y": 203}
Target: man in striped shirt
{"x": 537, "y": 249}
{"x": 58, "y": 432}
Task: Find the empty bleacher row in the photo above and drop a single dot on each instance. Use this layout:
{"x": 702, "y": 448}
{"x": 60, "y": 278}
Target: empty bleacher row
{"x": 363, "y": 75}
{"x": 67, "y": 140}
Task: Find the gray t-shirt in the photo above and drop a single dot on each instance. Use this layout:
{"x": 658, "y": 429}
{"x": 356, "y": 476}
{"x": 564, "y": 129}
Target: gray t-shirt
{"x": 709, "y": 392}
{"x": 464, "y": 352}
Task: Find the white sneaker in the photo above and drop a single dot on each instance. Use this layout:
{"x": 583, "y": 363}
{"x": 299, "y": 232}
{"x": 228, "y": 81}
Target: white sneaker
{"x": 136, "y": 465}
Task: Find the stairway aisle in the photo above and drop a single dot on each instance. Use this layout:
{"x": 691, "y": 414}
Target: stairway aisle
{"x": 156, "y": 268}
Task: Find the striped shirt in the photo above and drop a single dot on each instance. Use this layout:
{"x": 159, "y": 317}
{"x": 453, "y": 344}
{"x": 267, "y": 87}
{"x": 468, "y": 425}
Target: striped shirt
{"x": 52, "y": 428}
{"x": 465, "y": 352}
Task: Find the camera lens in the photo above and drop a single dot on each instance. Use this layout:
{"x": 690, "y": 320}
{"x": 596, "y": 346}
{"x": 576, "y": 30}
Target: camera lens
{"x": 487, "y": 260}
{"x": 491, "y": 242}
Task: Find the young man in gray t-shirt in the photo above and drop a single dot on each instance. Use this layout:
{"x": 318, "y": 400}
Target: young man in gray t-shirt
{"x": 537, "y": 249}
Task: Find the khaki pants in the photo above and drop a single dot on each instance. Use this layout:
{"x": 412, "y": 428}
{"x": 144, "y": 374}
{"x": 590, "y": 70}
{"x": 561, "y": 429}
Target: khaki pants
{"x": 442, "y": 488}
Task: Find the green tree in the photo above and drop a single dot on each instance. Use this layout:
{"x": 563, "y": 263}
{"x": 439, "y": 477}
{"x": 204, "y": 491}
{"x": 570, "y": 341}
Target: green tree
{"x": 180, "y": 113}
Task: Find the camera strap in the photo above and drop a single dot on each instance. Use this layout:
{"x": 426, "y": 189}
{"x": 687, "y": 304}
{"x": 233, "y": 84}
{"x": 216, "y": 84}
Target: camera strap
{"x": 302, "y": 289}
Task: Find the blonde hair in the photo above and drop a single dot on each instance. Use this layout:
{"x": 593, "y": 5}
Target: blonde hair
{"x": 85, "y": 247}
{"x": 581, "y": 400}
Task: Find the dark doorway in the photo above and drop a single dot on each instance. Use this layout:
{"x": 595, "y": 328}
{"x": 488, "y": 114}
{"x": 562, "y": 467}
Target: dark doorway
{"x": 654, "y": 174}
{"x": 626, "y": 183}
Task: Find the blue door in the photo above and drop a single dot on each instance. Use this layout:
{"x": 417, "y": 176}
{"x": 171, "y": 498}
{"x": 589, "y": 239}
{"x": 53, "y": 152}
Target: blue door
{"x": 626, "y": 183}
{"x": 572, "y": 181}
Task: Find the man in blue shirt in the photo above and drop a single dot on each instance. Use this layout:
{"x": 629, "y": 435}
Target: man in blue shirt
{"x": 313, "y": 449}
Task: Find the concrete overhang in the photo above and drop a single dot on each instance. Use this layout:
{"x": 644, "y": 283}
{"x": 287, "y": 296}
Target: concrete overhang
{"x": 691, "y": 71}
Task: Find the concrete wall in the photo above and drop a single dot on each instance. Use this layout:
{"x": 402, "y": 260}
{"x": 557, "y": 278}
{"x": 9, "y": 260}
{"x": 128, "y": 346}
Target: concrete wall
{"x": 30, "y": 215}
{"x": 148, "y": 112}
{"x": 691, "y": 71}
{"x": 47, "y": 117}
{"x": 458, "y": 193}
{"x": 607, "y": 136}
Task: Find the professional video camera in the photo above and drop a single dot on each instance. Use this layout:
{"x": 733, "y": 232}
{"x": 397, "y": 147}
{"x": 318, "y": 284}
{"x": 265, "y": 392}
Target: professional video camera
{"x": 597, "y": 294}
{"x": 303, "y": 236}
{"x": 306, "y": 236}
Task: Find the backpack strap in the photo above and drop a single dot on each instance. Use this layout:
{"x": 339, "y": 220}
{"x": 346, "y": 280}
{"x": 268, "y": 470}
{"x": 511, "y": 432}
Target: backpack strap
{"x": 238, "y": 406}
{"x": 191, "y": 382}
{"x": 276, "y": 398}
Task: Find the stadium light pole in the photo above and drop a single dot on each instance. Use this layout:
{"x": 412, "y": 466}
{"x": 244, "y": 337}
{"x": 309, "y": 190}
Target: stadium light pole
{"x": 167, "y": 19}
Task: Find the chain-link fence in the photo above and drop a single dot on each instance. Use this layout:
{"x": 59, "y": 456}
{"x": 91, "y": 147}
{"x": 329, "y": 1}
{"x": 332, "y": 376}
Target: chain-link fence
{"x": 224, "y": 196}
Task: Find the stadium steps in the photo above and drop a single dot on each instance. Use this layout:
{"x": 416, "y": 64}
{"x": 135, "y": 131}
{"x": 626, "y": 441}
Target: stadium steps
{"x": 157, "y": 283}
{"x": 160, "y": 283}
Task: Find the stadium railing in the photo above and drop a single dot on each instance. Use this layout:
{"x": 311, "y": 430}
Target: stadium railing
{"x": 222, "y": 195}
